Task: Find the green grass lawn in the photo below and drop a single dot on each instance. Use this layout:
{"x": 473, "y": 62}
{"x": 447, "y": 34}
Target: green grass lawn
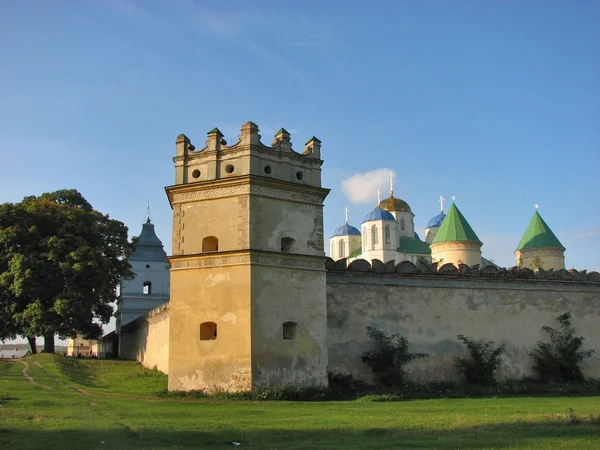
{"x": 87, "y": 404}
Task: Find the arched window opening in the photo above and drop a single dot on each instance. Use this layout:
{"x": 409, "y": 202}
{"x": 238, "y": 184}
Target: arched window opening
{"x": 342, "y": 249}
{"x": 289, "y": 331}
{"x": 147, "y": 288}
{"x": 374, "y": 236}
{"x": 402, "y": 223}
{"x": 332, "y": 250}
{"x": 210, "y": 244}
{"x": 387, "y": 235}
{"x": 288, "y": 244}
{"x": 208, "y": 331}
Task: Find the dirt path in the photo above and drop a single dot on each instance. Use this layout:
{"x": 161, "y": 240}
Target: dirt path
{"x": 56, "y": 380}
{"x": 30, "y": 378}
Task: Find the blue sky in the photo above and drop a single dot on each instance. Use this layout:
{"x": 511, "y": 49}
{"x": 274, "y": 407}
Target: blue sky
{"x": 495, "y": 102}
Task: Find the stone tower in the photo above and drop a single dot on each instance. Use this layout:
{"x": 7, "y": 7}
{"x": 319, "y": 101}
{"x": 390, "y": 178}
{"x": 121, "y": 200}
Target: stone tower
{"x": 248, "y": 305}
{"x": 150, "y": 286}
{"x": 539, "y": 247}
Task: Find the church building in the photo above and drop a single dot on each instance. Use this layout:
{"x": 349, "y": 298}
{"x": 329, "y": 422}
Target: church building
{"x": 387, "y": 234}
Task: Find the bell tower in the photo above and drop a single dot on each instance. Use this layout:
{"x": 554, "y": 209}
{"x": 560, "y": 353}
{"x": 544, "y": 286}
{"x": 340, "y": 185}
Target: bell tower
{"x": 248, "y": 302}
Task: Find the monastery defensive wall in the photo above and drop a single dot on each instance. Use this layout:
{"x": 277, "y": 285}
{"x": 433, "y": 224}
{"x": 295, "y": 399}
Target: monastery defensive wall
{"x": 430, "y": 306}
{"x": 253, "y": 302}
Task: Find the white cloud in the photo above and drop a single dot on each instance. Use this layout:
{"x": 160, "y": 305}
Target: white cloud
{"x": 362, "y": 187}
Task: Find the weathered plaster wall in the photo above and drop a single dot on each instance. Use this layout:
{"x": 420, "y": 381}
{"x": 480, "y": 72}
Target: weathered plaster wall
{"x": 146, "y": 339}
{"x": 225, "y": 216}
{"x": 289, "y": 294}
{"x": 212, "y": 288}
{"x": 272, "y": 219}
{"x": 108, "y": 346}
{"x": 430, "y": 310}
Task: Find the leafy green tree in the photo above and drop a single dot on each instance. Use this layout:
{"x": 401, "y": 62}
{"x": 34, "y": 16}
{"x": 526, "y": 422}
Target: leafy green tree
{"x": 389, "y": 357}
{"x": 481, "y": 362}
{"x": 559, "y": 360}
{"x": 60, "y": 263}
{"x": 13, "y": 233}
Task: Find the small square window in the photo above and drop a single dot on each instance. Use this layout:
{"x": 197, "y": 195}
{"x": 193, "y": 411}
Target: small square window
{"x": 289, "y": 331}
{"x": 208, "y": 331}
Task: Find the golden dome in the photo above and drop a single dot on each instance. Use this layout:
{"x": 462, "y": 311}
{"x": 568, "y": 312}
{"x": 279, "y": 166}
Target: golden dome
{"x": 394, "y": 204}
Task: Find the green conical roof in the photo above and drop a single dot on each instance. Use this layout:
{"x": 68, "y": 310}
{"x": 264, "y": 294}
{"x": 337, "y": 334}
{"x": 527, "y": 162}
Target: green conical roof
{"x": 455, "y": 228}
{"x": 538, "y": 235}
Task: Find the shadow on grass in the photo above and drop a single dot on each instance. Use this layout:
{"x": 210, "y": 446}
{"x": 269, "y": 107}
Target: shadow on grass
{"x": 76, "y": 370}
{"x": 528, "y": 434}
{"x": 510, "y": 389}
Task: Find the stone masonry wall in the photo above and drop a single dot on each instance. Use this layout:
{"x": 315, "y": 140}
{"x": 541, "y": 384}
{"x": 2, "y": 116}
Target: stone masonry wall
{"x": 431, "y": 307}
{"x": 146, "y": 339}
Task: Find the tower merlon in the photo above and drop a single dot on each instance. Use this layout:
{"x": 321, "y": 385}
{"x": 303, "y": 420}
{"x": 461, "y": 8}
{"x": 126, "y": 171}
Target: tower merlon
{"x": 249, "y": 134}
{"x": 215, "y": 140}
{"x": 312, "y": 148}
{"x": 282, "y": 140}
{"x": 183, "y": 145}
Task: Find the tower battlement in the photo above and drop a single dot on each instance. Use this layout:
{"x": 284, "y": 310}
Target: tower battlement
{"x": 248, "y": 156}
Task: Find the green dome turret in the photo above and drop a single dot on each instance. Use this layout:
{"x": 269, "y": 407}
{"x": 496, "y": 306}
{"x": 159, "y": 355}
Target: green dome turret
{"x": 538, "y": 235}
{"x": 455, "y": 228}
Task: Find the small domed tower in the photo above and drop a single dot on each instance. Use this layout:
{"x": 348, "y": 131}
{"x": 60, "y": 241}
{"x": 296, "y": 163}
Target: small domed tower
{"x": 150, "y": 286}
{"x": 539, "y": 247}
{"x": 434, "y": 224}
{"x": 401, "y": 212}
{"x": 344, "y": 241}
{"x": 379, "y": 235}
{"x": 456, "y": 242}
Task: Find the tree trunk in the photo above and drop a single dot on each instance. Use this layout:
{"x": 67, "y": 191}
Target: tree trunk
{"x": 32, "y": 344}
{"x": 49, "y": 342}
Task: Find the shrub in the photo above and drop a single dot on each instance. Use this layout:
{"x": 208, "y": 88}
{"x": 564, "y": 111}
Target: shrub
{"x": 343, "y": 385}
{"x": 559, "y": 359}
{"x": 482, "y": 361}
{"x": 389, "y": 357}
